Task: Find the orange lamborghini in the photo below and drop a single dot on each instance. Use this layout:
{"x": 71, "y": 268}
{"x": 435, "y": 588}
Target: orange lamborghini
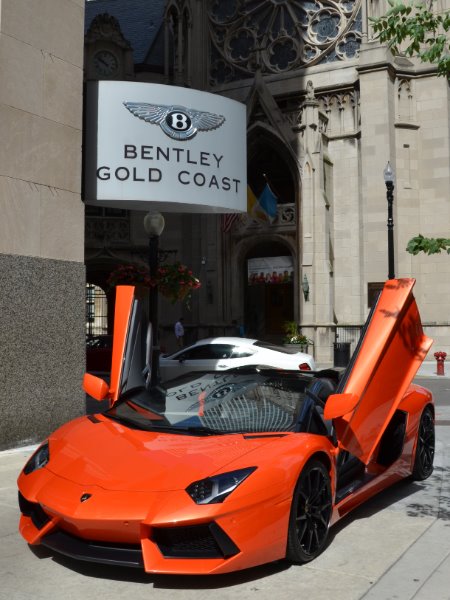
{"x": 215, "y": 472}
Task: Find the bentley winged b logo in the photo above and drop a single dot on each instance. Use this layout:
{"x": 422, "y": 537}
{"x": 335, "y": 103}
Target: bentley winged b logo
{"x": 177, "y": 122}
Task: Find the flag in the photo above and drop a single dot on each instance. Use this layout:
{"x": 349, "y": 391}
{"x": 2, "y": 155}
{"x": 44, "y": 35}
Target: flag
{"x": 251, "y": 200}
{"x": 228, "y": 221}
{"x": 265, "y": 207}
{"x": 267, "y": 204}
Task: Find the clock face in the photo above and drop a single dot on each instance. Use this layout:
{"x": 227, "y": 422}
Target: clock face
{"x": 105, "y": 63}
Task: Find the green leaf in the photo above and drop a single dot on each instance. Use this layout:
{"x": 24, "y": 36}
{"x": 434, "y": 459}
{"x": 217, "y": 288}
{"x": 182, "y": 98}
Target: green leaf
{"x": 428, "y": 245}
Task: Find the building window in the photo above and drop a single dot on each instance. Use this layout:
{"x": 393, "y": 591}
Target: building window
{"x": 96, "y": 311}
{"x": 374, "y": 289}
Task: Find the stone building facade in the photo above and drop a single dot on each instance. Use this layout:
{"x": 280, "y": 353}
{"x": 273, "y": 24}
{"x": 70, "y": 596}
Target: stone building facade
{"x": 42, "y": 275}
{"x": 327, "y": 108}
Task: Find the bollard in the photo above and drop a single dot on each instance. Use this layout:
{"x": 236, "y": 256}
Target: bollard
{"x": 440, "y": 357}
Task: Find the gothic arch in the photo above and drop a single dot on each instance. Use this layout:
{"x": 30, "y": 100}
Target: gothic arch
{"x": 269, "y": 154}
{"x": 178, "y": 26}
{"x": 249, "y": 244}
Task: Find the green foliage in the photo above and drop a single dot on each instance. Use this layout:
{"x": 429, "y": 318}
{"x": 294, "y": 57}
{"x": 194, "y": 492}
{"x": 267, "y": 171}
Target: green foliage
{"x": 423, "y": 30}
{"x": 294, "y": 335}
{"x": 428, "y": 245}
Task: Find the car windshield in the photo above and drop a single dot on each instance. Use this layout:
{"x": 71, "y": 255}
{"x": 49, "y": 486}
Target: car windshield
{"x": 216, "y": 403}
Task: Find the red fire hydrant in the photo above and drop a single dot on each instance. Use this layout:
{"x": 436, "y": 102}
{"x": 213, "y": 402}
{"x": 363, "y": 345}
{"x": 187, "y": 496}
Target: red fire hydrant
{"x": 440, "y": 357}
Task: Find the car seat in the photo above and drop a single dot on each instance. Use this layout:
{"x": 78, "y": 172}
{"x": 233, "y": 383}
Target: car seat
{"x": 319, "y": 390}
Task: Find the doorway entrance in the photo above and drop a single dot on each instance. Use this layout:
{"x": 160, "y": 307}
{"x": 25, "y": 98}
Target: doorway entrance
{"x": 269, "y": 291}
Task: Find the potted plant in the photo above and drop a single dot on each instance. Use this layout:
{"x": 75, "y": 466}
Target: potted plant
{"x": 294, "y": 337}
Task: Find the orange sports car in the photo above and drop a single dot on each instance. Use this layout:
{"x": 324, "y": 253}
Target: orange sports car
{"x": 215, "y": 472}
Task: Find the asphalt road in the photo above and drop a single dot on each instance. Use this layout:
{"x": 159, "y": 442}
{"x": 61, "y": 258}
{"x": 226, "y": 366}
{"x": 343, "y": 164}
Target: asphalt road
{"x": 395, "y": 547}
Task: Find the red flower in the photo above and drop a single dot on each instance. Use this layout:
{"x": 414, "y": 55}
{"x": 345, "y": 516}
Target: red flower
{"x": 174, "y": 282}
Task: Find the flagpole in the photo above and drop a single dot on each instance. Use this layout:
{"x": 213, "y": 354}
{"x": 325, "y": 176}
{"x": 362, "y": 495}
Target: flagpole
{"x": 266, "y": 179}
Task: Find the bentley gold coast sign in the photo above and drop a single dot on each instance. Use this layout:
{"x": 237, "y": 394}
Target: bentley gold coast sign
{"x": 151, "y": 146}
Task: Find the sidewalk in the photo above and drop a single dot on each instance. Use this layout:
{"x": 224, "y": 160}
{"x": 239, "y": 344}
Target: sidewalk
{"x": 428, "y": 369}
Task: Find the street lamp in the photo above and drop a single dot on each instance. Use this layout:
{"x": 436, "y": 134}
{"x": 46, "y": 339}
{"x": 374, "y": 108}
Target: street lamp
{"x": 154, "y": 226}
{"x": 389, "y": 178}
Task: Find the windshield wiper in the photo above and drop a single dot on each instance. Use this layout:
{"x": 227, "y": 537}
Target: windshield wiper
{"x": 192, "y": 429}
{"x": 129, "y": 422}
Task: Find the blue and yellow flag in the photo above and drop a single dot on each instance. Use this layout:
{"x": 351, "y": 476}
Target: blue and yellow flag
{"x": 268, "y": 202}
{"x": 264, "y": 208}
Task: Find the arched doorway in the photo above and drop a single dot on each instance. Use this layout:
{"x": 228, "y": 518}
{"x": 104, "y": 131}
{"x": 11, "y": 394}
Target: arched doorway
{"x": 266, "y": 164}
{"x": 270, "y": 262}
{"x": 269, "y": 290}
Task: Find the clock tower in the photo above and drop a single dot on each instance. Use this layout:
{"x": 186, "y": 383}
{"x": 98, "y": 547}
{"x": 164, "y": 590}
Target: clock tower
{"x": 108, "y": 55}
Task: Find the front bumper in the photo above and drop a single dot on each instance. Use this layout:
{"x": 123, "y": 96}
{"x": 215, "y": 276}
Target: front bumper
{"x": 203, "y": 541}
{"x": 161, "y": 532}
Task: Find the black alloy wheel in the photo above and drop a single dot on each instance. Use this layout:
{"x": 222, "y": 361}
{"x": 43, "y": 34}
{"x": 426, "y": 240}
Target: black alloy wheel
{"x": 423, "y": 462}
{"x": 310, "y": 514}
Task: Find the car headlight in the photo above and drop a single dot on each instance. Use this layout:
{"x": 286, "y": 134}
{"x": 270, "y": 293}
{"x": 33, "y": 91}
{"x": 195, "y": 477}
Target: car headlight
{"x": 39, "y": 459}
{"x": 215, "y": 489}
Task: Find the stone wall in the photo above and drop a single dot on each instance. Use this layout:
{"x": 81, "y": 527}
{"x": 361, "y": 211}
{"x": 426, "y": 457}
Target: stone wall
{"x": 42, "y": 354}
{"x": 42, "y": 217}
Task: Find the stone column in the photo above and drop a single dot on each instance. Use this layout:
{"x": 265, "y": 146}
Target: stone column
{"x": 314, "y": 240}
{"x": 377, "y": 148}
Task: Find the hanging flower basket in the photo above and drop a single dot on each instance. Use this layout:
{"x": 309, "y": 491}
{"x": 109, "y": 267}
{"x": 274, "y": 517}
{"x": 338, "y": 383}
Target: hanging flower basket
{"x": 129, "y": 275}
{"x": 175, "y": 282}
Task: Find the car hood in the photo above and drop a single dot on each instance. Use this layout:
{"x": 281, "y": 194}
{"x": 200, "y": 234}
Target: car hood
{"x": 97, "y": 451}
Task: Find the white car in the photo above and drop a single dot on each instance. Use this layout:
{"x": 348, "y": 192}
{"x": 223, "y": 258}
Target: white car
{"x": 222, "y": 353}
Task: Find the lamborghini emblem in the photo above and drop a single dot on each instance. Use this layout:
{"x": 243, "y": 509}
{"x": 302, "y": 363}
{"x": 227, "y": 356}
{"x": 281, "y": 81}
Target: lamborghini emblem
{"x": 177, "y": 122}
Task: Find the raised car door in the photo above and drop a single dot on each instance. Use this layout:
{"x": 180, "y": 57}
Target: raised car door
{"x": 132, "y": 342}
{"x": 391, "y": 349}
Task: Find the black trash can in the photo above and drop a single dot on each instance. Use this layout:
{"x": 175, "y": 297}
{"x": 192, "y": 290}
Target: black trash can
{"x": 341, "y": 354}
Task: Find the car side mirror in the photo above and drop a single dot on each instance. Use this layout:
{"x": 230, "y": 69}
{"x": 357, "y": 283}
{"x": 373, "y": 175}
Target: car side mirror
{"x": 95, "y": 387}
{"x": 338, "y": 405}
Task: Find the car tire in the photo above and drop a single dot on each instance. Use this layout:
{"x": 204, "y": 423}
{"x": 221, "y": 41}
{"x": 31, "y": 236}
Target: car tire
{"x": 310, "y": 514}
{"x": 423, "y": 461}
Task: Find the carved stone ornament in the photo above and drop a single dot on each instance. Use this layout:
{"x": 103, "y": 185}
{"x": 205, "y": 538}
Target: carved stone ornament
{"x": 106, "y": 27}
{"x": 285, "y": 220}
{"x": 276, "y": 36}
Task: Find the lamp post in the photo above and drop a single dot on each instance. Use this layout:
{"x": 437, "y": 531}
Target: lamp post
{"x": 389, "y": 178}
{"x": 154, "y": 226}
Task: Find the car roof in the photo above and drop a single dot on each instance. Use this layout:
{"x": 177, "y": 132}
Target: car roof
{"x": 238, "y": 341}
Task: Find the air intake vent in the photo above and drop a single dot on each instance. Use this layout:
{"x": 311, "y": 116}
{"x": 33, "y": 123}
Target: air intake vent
{"x": 34, "y": 511}
{"x": 199, "y": 541}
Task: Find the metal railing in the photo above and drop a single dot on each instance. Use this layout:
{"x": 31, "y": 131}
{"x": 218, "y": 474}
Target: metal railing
{"x": 348, "y": 334}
